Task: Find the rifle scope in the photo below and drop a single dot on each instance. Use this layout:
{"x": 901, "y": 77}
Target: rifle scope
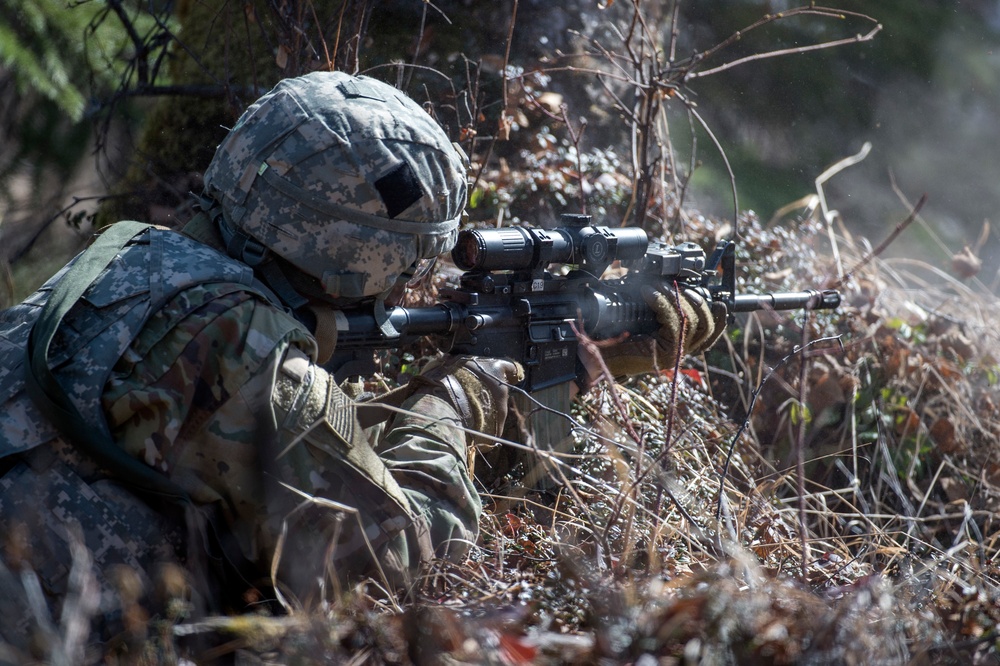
{"x": 526, "y": 248}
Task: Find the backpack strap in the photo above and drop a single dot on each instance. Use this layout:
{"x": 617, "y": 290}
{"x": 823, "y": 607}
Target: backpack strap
{"x": 49, "y": 395}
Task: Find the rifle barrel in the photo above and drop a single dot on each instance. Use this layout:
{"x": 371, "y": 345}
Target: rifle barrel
{"x": 811, "y": 299}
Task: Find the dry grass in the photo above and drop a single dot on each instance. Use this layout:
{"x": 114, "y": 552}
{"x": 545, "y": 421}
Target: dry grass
{"x": 851, "y": 522}
{"x": 699, "y": 541}
{"x": 627, "y": 552}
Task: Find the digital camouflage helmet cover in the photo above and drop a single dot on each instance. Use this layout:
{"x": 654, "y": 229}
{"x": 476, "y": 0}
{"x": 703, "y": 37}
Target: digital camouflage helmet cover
{"x": 344, "y": 177}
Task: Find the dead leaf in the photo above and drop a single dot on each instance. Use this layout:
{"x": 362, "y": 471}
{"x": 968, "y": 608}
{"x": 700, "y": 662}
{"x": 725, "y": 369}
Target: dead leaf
{"x": 516, "y": 649}
{"x": 551, "y": 101}
{"x": 907, "y": 422}
{"x": 897, "y": 362}
{"x": 825, "y": 393}
{"x": 966, "y": 264}
{"x": 943, "y": 433}
{"x": 281, "y": 57}
{"x": 954, "y": 489}
{"x": 513, "y": 526}
{"x": 503, "y": 131}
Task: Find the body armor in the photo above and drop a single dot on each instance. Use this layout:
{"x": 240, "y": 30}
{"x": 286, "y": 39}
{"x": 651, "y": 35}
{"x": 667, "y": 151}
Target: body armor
{"x": 149, "y": 271}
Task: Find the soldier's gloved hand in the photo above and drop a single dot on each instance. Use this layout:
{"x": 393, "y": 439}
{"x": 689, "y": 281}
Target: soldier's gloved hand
{"x": 478, "y": 389}
{"x": 703, "y": 322}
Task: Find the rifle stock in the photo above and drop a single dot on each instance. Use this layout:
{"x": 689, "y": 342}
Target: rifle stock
{"x": 508, "y": 303}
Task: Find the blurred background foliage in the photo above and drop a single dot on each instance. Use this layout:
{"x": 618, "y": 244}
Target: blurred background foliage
{"x": 925, "y": 92}
{"x": 111, "y": 108}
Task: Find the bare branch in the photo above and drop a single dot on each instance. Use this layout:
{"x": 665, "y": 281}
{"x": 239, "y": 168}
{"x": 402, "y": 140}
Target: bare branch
{"x": 784, "y": 52}
{"x": 698, "y": 58}
{"x": 885, "y": 243}
{"x": 725, "y": 160}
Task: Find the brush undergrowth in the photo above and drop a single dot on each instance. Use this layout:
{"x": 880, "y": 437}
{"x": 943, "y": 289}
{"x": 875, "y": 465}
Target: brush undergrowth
{"x": 699, "y": 542}
{"x": 817, "y": 489}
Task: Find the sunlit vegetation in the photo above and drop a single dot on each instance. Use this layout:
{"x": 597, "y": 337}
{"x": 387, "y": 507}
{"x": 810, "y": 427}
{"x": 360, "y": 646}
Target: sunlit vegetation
{"x": 818, "y": 488}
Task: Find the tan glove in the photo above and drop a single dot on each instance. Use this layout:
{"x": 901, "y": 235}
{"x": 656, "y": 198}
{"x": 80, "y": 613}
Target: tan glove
{"x": 478, "y": 389}
{"x": 703, "y": 323}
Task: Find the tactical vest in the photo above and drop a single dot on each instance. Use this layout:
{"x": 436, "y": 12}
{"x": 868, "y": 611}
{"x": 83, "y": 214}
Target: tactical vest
{"x": 152, "y": 268}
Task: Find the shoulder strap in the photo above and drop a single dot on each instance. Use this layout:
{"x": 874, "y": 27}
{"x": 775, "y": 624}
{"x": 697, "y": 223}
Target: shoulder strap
{"x": 49, "y": 395}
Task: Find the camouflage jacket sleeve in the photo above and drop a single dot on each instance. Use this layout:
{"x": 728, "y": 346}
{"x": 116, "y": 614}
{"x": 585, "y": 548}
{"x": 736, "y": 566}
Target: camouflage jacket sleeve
{"x": 428, "y": 456}
{"x": 221, "y": 394}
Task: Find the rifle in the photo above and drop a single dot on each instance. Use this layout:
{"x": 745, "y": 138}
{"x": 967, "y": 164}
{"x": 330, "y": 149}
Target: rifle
{"x": 509, "y": 304}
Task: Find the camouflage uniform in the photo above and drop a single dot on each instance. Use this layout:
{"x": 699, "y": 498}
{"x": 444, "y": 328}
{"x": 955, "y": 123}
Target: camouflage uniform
{"x": 196, "y": 366}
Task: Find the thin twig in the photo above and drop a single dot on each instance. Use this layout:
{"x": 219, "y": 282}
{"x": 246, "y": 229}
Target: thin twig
{"x": 592, "y": 349}
{"x": 725, "y": 160}
{"x": 800, "y": 445}
{"x": 753, "y": 401}
{"x": 828, "y": 216}
{"x": 770, "y": 18}
{"x": 884, "y": 244}
{"x": 857, "y": 39}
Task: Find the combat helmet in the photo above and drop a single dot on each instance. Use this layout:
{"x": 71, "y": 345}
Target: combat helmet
{"x": 344, "y": 178}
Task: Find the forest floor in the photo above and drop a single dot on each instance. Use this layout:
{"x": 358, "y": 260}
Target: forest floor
{"x": 851, "y": 521}
{"x": 767, "y": 504}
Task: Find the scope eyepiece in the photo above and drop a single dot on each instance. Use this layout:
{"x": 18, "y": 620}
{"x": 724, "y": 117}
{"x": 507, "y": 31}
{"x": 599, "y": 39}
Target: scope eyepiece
{"x": 510, "y": 248}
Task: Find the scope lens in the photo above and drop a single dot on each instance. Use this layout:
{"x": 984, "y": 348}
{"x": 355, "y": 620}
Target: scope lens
{"x": 468, "y": 250}
{"x": 508, "y": 249}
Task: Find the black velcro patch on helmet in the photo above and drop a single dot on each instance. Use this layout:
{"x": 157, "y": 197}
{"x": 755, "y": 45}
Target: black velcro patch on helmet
{"x": 360, "y": 88}
{"x": 400, "y": 189}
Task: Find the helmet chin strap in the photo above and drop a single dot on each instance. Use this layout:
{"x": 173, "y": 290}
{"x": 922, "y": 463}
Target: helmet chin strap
{"x": 274, "y": 275}
{"x": 253, "y": 253}
{"x": 381, "y": 315}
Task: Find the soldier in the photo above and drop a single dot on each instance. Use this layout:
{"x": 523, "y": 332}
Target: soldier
{"x": 164, "y": 394}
